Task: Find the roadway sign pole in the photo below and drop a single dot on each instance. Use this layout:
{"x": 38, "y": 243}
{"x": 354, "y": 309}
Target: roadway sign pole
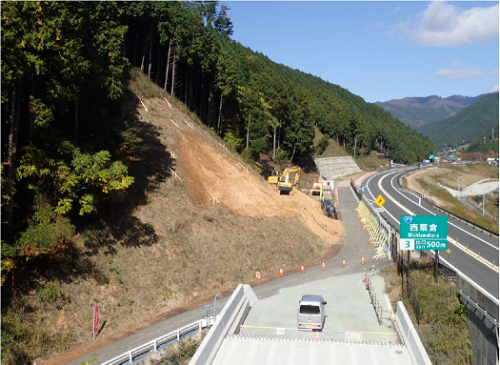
{"x": 408, "y": 273}
{"x": 436, "y": 263}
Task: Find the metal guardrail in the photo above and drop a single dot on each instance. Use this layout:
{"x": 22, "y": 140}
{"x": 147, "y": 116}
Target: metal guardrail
{"x": 156, "y": 344}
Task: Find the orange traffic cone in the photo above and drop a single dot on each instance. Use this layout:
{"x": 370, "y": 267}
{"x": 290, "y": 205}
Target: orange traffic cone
{"x": 302, "y": 269}
{"x": 362, "y": 260}
{"x": 364, "y": 227}
{"x": 317, "y": 335}
{"x": 364, "y": 277}
{"x": 282, "y": 273}
{"x": 257, "y": 275}
{"x": 323, "y": 267}
{"x": 343, "y": 263}
{"x": 371, "y": 240}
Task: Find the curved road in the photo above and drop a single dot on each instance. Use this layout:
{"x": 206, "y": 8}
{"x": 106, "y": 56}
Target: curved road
{"x": 473, "y": 252}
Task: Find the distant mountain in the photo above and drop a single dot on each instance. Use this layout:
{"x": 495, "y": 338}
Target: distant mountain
{"x": 419, "y": 111}
{"x": 467, "y": 125}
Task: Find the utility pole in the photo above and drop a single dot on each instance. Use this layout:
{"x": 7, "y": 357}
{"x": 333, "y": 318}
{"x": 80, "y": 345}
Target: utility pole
{"x": 484, "y": 203}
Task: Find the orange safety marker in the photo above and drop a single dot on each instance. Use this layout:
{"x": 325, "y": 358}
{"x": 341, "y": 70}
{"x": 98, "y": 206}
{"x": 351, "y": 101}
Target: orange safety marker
{"x": 317, "y": 335}
{"x": 362, "y": 260}
{"x": 343, "y": 263}
{"x": 364, "y": 277}
{"x": 323, "y": 267}
{"x": 257, "y": 275}
{"x": 364, "y": 227}
{"x": 282, "y": 273}
{"x": 371, "y": 240}
{"x": 302, "y": 269}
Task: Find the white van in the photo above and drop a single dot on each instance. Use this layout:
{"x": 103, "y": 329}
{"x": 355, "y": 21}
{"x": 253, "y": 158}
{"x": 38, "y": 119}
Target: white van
{"x": 311, "y": 312}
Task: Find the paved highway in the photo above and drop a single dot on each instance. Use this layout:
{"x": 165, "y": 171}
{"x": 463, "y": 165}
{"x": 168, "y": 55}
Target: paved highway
{"x": 473, "y": 252}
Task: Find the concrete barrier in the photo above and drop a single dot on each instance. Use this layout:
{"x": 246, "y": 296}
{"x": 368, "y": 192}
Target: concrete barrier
{"x": 482, "y": 315}
{"x": 242, "y": 295}
{"x": 410, "y": 336}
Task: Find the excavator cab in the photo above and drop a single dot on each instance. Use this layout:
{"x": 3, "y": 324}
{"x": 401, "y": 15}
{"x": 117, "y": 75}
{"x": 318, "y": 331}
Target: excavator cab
{"x": 273, "y": 179}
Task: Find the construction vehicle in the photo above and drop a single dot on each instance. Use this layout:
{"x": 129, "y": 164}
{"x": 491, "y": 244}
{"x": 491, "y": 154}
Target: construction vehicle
{"x": 273, "y": 179}
{"x": 322, "y": 186}
{"x": 285, "y": 184}
{"x": 329, "y": 208}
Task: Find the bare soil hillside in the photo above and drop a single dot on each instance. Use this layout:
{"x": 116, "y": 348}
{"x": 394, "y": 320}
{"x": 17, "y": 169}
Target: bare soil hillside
{"x": 201, "y": 223}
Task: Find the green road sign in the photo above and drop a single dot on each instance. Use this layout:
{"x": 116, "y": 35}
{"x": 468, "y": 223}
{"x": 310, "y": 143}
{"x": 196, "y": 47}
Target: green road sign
{"x": 423, "y": 232}
{"x": 432, "y": 157}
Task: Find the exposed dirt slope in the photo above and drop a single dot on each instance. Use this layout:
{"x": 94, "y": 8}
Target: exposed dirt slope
{"x": 177, "y": 247}
{"x": 211, "y": 172}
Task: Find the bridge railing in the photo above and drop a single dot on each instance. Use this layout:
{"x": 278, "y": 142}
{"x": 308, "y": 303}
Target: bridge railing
{"x": 156, "y": 344}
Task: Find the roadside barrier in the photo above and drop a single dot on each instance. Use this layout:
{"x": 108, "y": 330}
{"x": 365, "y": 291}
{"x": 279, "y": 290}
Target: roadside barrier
{"x": 376, "y": 234}
{"x": 156, "y": 344}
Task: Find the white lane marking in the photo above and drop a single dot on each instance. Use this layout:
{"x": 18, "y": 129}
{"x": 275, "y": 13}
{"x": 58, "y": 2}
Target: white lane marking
{"x": 450, "y": 239}
{"x": 373, "y": 197}
{"x": 451, "y": 224}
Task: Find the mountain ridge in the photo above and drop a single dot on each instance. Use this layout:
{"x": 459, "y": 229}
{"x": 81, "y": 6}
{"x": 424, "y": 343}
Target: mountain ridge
{"x": 419, "y": 111}
{"x": 467, "y": 125}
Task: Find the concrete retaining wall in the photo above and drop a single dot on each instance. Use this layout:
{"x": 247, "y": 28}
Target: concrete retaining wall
{"x": 243, "y": 294}
{"x": 410, "y": 336}
{"x": 332, "y": 168}
{"x": 482, "y": 330}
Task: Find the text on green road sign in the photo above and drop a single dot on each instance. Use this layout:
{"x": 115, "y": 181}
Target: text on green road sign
{"x": 423, "y": 232}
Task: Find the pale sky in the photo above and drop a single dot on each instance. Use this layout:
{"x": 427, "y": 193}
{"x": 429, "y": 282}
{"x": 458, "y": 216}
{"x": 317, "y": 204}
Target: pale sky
{"x": 379, "y": 50}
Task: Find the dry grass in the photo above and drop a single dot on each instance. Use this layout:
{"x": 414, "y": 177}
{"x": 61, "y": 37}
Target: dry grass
{"x": 443, "y": 324}
{"x": 167, "y": 246}
{"x": 425, "y": 182}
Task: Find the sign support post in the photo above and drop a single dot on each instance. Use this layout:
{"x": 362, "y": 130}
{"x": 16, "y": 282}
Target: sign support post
{"x": 96, "y": 321}
{"x": 436, "y": 266}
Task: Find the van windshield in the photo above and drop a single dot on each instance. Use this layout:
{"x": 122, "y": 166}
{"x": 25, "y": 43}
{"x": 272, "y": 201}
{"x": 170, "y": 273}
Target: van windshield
{"x": 309, "y": 309}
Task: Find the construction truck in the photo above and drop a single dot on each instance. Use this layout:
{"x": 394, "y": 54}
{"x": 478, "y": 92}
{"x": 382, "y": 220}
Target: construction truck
{"x": 285, "y": 183}
{"x": 322, "y": 186}
{"x": 273, "y": 179}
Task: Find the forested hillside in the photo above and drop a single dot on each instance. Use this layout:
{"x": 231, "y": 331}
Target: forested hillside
{"x": 485, "y": 144}
{"x": 467, "y": 125}
{"x": 68, "y": 142}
